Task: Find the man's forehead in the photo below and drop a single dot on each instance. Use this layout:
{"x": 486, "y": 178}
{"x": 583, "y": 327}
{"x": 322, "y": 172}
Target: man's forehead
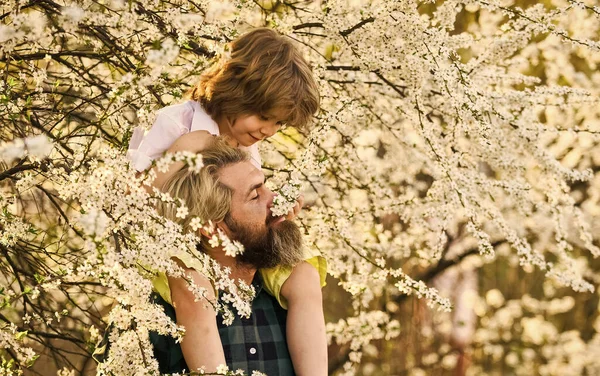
{"x": 240, "y": 176}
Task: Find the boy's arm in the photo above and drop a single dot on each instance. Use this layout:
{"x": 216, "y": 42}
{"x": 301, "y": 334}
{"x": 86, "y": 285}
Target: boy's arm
{"x": 305, "y": 324}
{"x": 201, "y": 345}
{"x": 143, "y": 149}
{"x": 193, "y": 142}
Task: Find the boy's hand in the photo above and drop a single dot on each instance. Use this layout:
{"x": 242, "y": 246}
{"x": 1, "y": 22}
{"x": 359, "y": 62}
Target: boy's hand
{"x": 296, "y": 209}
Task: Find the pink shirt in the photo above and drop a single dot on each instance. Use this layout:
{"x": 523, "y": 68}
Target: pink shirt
{"x": 171, "y": 123}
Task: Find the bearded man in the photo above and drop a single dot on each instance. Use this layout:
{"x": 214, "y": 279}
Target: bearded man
{"x": 230, "y": 192}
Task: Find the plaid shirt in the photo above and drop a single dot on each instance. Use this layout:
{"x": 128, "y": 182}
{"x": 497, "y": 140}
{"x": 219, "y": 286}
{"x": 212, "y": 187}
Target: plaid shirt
{"x": 256, "y": 343}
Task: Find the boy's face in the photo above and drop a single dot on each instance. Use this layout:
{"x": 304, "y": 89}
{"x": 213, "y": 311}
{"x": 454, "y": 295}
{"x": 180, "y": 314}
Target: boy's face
{"x": 249, "y": 129}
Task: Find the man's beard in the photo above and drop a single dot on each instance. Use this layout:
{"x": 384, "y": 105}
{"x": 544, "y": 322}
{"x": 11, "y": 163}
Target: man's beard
{"x": 280, "y": 245}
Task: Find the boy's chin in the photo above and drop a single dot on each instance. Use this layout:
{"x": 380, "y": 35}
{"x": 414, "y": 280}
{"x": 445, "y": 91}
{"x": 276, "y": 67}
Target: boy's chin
{"x": 250, "y": 140}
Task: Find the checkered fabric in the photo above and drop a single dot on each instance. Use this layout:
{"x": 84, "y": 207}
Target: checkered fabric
{"x": 257, "y": 343}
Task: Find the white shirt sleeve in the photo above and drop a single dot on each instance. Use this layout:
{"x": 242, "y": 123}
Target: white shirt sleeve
{"x": 171, "y": 123}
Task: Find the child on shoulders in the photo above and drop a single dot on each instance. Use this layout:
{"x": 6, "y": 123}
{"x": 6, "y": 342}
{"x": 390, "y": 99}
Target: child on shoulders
{"x": 264, "y": 84}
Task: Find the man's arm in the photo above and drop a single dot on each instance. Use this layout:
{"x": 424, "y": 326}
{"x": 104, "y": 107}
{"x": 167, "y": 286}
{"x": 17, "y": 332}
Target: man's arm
{"x": 201, "y": 345}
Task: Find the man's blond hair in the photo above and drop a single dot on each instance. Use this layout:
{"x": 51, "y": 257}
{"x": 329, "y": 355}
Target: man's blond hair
{"x": 202, "y": 192}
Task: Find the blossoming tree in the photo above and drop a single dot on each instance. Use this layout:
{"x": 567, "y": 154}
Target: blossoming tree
{"x": 451, "y": 177}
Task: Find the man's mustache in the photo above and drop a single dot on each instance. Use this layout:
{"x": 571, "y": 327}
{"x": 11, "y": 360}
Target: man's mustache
{"x": 270, "y": 218}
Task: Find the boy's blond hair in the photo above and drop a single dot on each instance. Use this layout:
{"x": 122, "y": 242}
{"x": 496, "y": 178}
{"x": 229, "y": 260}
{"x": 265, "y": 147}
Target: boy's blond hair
{"x": 264, "y": 73}
{"x": 202, "y": 192}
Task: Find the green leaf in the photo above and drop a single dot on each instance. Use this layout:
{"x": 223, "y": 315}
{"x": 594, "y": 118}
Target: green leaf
{"x": 33, "y": 359}
{"x": 20, "y": 335}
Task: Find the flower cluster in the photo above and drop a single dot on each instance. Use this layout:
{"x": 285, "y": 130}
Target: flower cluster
{"x": 286, "y": 198}
{"x": 359, "y": 331}
{"x": 38, "y": 147}
{"x": 11, "y": 340}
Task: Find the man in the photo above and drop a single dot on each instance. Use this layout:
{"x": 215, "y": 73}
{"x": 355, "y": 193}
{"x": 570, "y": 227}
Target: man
{"x": 230, "y": 192}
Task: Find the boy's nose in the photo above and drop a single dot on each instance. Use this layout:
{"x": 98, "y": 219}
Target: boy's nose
{"x": 269, "y": 130}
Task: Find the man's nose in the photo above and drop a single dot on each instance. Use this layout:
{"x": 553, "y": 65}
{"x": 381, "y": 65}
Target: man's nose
{"x": 271, "y": 195}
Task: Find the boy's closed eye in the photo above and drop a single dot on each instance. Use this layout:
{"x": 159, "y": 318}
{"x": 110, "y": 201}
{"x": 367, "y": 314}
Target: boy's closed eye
{"x": 280, "y": 123}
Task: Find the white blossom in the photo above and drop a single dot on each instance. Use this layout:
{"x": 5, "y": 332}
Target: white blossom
{"x": 94, "y": 221}
{"x": 451, "y": 135}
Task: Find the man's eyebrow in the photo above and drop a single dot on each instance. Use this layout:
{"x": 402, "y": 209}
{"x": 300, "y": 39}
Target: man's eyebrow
{"x": 255, "y": 186}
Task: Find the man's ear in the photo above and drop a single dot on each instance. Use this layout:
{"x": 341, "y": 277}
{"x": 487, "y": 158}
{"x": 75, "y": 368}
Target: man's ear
{"x": 209, "y": 229}
{"x": 205, "y": 232}
{"x": 223, "y": 227}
